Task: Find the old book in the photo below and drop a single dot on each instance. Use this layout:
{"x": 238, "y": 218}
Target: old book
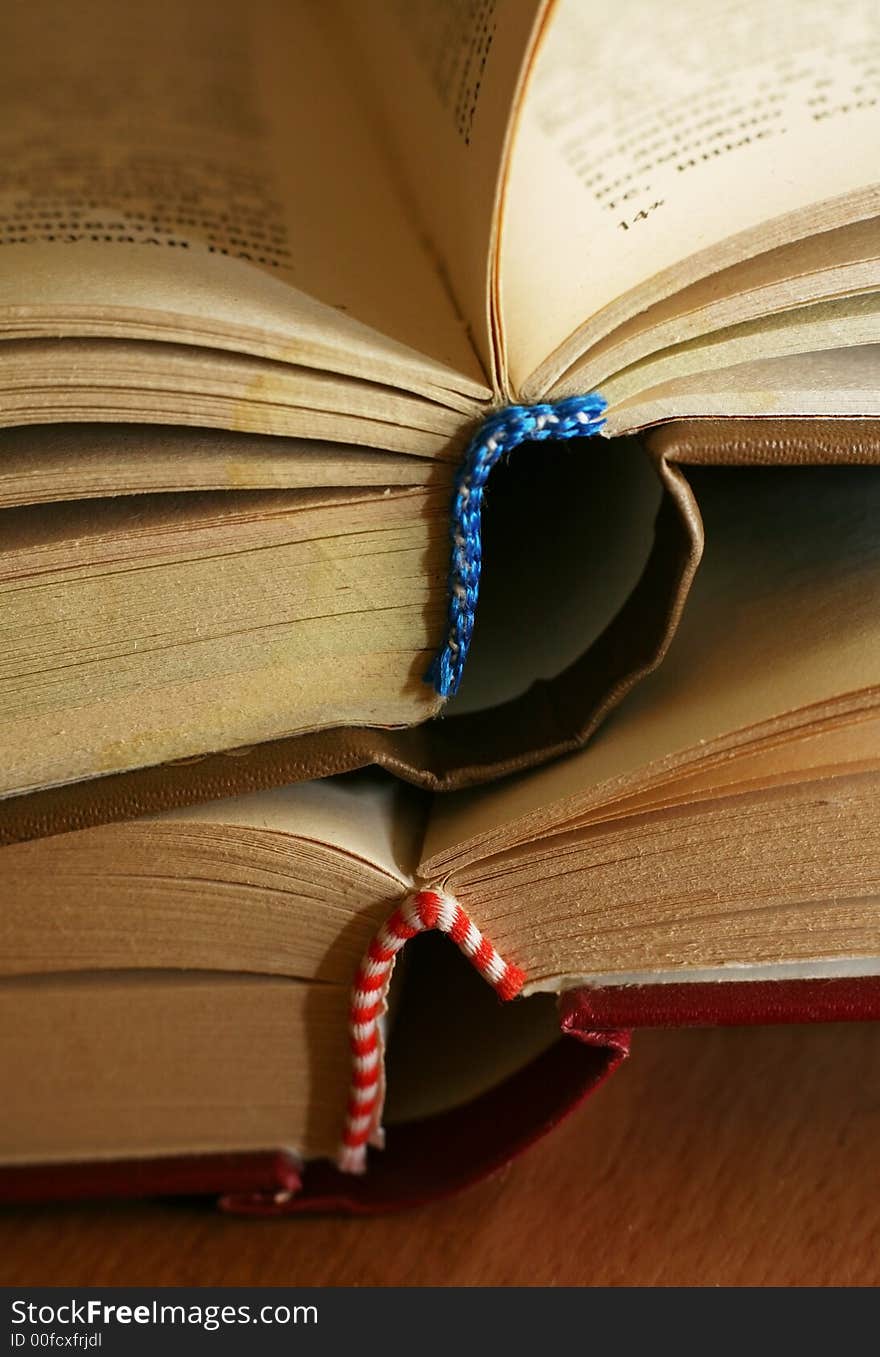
{"x": 258, "y": 300}
{"x": 719, "y": 834}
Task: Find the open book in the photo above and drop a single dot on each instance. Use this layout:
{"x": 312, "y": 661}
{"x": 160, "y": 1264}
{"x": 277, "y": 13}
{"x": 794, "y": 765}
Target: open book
{"x": 342, "y": 236}
{"x": 722, "y": 825}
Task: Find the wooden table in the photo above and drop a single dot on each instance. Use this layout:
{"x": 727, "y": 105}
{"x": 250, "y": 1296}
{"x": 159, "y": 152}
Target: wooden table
{"x": 725, "y": 1157}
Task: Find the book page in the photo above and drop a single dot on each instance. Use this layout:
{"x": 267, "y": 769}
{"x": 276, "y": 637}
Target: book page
{"x": 660, "y": 143}
{"x": 52, "y": 463}
{"x": 197, "y": 623}
{"x": 143, "y": 1064}
{"x": 207, "y": 171}
{"x": 835, "y": 382}
{"x": 783, "y": 617}
{"x": 367, "y": 815}
{"x": 822, "y": 327}
{"x": 450, "y": 74}
{"x": 290, "y": 882}
{"x": 142, "y": 381}
{"x": 838, "y": 263}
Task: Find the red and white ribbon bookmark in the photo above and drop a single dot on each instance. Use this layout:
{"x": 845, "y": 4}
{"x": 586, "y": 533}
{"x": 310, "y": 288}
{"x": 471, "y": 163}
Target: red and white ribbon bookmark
{"x": 420, "y": 912}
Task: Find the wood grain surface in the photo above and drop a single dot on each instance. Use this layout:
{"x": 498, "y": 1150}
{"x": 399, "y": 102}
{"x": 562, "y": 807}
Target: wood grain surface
{"x": 747, "y": 1157}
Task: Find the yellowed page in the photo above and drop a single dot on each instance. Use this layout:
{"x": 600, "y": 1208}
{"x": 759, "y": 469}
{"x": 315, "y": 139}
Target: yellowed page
{"x": 844, "y": 382}
{"x": 58, "y": 462}
{"x": 780, "y": 876}
{"x": 370, "y": 816}
{"x": 832, "y": 749}
{"x": 659, "y": 143}
{"x": 833, "y": 264}
{"x": 783, "y": 616}
{"x": 206, "y": 170}
{"x": 134, "y": 380}
{"x": 845, "y": 322}
{"x": 449, "y": 73}
{"x": 131, "y": 1064}
{"x": 291, "y": 882}
{"x": 210, "y": 622}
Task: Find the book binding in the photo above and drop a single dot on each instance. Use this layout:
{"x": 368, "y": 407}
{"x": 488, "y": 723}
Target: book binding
{"x": 420, "y": 912}
{"x": 506, "y": 429}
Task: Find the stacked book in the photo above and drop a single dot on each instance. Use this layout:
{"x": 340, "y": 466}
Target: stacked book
{"x": 438, "y": 496}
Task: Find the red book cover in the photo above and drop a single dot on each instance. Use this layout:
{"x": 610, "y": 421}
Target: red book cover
{"x": 589, "y": 1012}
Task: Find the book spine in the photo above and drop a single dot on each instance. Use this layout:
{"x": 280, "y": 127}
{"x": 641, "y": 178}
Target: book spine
{"x": 418, "y": 913}
{"x": 506, "y": 429}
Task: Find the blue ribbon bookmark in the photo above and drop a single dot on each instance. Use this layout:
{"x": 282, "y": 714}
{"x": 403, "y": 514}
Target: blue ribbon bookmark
{"x": 576, "y": 417}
